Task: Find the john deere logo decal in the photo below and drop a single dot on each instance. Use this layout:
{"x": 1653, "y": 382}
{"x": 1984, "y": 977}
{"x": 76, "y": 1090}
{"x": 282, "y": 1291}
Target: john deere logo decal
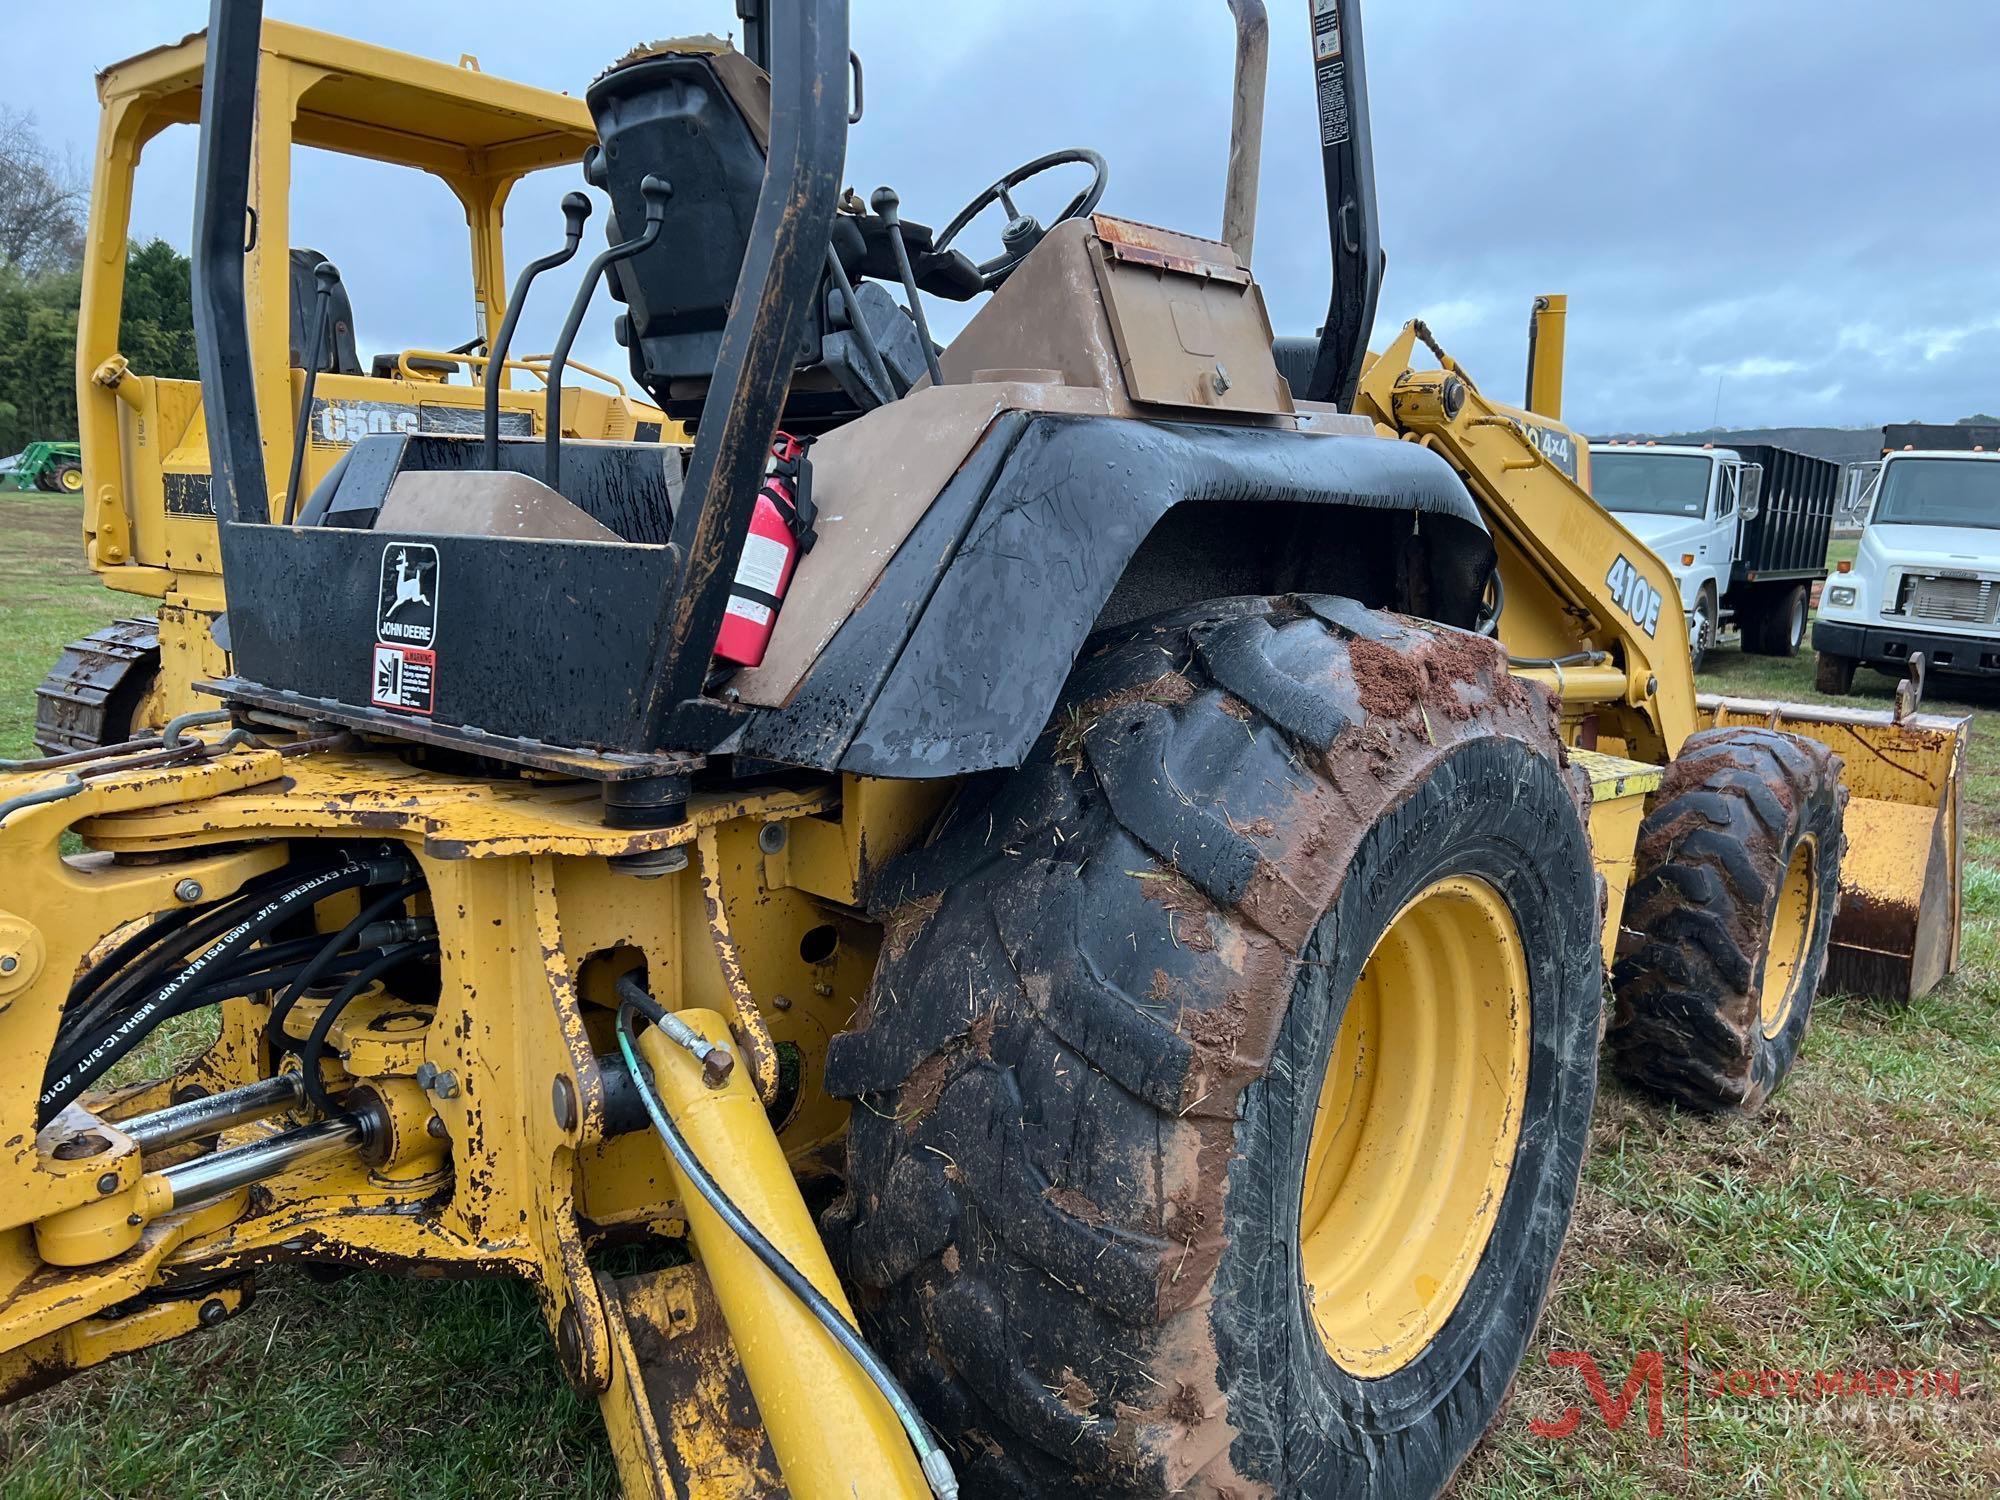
{"x": 403, "y": 675}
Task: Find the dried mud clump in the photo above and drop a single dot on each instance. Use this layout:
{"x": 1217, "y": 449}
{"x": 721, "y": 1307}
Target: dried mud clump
{"x": 1394, "y": 680}
{"x": 1190, "y": 908}
{"x": 926, "y": 1083}
{"x": 904, "y": 923}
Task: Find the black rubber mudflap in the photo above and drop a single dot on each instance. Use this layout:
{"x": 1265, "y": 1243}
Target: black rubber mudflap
{"x": 89, "y": 695}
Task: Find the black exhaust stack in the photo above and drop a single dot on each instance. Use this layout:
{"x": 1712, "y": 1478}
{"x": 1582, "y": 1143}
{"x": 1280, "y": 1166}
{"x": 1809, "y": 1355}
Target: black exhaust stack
{"x": 223, "y": 232}
{"x": 1349, "y": 162}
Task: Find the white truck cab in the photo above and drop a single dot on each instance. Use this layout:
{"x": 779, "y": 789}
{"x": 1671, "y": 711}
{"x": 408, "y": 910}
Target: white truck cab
{"x": 1927, "y": 575}
{"x": 1742, "y": 544}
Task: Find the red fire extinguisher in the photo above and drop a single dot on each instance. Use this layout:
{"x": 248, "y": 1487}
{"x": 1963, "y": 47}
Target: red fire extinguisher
{"x": 781, "y": 531}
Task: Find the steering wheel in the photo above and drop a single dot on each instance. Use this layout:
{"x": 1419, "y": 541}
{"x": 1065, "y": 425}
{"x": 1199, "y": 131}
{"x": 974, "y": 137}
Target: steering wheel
{"x": 1024, "y": 231}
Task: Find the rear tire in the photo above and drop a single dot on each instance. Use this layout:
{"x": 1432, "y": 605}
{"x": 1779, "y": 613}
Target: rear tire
{"x": 1780, "y": 626}
{"x": 1090, "y": 1065}
{"x": 1833, "y": 674}
{"x": 1724, "y": 936}
{"x": 68, "y": 479}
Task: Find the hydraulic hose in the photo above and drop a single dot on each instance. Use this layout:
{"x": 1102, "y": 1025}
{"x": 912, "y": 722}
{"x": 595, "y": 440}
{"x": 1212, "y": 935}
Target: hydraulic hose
{"x": 315, "y": 1044}
{"x": 382, "y": 904}
{"x": 162, "y": 926}
{"x": 258, "y": 981}
{"x": 101, "y": 1048}
{"x": 1574, "y": 659}
{"x": 935, "y": 1463}
{"x": 203, "y": 925}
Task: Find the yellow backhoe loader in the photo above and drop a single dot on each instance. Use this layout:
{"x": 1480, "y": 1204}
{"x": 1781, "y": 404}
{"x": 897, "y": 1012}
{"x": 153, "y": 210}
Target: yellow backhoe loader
{"x": 149, "y": 523}
{"x": 1148, "y": 877}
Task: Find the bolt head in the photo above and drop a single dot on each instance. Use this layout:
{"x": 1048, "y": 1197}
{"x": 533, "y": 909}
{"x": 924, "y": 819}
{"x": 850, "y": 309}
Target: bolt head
{"x": 771, "y": 837}
{"x": 562, "y": 1099}
{"x": 212, "y": 1312}
{"x": 9, "y": 962}
{"x": 188, "y": 890}
{"x": 108, "y": 1183}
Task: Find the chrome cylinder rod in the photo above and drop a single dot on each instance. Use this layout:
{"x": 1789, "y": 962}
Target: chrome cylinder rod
{"x": 213, "y": 1113}
{"x": 224, "y": 1172}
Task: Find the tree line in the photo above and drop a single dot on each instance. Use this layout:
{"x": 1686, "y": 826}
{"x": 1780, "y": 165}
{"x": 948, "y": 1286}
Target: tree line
{"x": 43, "y": 203}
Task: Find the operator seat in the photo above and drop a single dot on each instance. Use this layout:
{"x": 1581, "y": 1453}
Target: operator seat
{"x": 697, "y": 112}
{"x": 337, "y": 354}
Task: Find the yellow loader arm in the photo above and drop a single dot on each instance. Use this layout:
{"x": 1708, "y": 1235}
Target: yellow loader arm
{"x": 1612, "y": 600}
{"x": 1576, "y": 586}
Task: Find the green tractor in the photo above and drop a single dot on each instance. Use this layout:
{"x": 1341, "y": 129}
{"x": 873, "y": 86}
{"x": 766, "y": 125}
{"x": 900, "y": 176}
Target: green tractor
{"x": 55, "y": 467}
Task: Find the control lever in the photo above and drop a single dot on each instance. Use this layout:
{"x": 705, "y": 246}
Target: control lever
{"x": 325, "y": 279}
{"x": 576, "y": 209}
{"x": 863, "y": 339}
{"x": 656, "y": 190}
{"x": 884, "y": 201}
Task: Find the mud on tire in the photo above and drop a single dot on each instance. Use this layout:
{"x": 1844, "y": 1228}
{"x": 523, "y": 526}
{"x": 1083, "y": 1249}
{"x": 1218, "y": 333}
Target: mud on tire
{"x": 1716, "y": 970}
{"x": 1089, "y": 1064}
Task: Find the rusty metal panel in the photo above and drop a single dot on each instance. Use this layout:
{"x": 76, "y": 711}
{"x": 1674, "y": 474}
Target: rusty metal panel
{"x": 1168, "y": 250}
{"x": 712, "y": 1441}
{"x": 1187, "y": 323}
{"x": 1897, "y": 932}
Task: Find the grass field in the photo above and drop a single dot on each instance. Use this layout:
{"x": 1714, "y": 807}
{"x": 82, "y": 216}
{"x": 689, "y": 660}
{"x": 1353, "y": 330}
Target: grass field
{"x": 1853, "y": 1226}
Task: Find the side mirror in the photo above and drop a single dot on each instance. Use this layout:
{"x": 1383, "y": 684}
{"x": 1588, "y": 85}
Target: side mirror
{"x": 1752, "y": 490}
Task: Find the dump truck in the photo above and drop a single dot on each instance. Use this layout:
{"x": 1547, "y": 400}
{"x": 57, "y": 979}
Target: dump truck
{"x": 1743, "y": 528}
{"x": 1925, "y": 581}
{"x": 149, "y": 522}
{"x": 1153, "y": 893}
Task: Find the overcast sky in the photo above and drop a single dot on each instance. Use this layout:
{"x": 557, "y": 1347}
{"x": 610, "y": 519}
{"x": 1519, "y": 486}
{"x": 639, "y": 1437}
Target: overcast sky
{"x": 1778, "y": 211}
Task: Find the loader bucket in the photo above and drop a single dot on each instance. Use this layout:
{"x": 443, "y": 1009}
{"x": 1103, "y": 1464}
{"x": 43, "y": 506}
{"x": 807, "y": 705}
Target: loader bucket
{"x": 1896, "y": 934}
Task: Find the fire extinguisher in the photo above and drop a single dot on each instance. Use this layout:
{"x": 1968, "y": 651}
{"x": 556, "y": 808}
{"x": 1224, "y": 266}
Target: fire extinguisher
{"x": 781, "y": 531}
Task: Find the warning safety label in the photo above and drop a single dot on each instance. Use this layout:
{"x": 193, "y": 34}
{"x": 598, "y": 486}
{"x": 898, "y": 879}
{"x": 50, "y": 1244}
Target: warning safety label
{"x": 404, "y": 679}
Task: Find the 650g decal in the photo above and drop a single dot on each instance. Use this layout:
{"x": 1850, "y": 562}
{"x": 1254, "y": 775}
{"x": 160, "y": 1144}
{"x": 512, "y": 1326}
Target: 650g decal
{"x": 1638, "y": 598}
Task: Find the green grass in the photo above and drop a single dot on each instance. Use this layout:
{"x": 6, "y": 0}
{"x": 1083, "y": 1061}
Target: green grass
{"x": 1855, "y": 1223}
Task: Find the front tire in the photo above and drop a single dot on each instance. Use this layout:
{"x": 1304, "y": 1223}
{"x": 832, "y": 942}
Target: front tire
{"x": 1833, "y": 674}
{"x": 1701, "y": 626}
{"x": 1724, "y": 935}
{"x": 1140, "y": 1200}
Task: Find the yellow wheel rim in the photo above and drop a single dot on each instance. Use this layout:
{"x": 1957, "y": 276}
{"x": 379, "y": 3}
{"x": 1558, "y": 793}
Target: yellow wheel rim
{"x": 1418, "y": 1118}
{"x": 1791, "y": 931}
{"x": 72, "y": 480}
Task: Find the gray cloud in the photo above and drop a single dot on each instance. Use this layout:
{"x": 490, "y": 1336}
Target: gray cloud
{"x": 1791, "y": 201}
